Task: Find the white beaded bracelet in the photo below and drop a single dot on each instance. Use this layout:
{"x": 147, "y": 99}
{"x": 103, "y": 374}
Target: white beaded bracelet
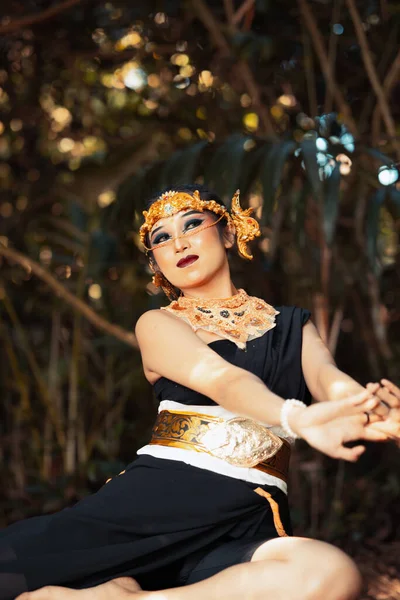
{"x": 286, "y": 408}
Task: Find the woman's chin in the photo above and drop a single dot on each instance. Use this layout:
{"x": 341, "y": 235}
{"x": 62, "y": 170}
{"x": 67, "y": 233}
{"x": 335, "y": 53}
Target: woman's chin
{"x": 191, "y": 280}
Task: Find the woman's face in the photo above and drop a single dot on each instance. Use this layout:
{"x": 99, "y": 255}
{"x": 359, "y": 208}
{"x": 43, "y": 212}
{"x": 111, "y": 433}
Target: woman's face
{"x": 191, "y": 250}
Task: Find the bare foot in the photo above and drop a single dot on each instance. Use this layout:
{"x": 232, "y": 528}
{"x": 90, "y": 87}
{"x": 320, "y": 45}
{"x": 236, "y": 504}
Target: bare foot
{"x": 122, "y": 588}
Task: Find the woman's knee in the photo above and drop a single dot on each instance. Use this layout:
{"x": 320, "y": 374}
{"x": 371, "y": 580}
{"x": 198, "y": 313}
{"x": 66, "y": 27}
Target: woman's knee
{"x": 332, "y": 575}
{"x": 317, "y": 569}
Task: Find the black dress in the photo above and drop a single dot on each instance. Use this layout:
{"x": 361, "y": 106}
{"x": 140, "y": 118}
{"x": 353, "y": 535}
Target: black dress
{"x": 163, "y": 522}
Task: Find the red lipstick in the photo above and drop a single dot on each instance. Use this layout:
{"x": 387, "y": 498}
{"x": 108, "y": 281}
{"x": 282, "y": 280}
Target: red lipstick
{"x": 187, "y": 260}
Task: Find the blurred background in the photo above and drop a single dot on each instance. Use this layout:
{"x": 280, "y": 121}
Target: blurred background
{"x": 102, "y": 104}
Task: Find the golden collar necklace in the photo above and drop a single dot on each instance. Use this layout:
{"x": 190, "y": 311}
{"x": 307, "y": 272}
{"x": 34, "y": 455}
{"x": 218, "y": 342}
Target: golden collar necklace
{"x": 240, "y": 318}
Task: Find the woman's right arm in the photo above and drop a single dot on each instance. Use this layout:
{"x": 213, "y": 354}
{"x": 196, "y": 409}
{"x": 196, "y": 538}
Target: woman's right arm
{"x": 170, "y": 348}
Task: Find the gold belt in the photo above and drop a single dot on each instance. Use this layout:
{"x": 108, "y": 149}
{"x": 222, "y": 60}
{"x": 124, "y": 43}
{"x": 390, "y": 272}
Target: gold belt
{"x": 240, "y": 441}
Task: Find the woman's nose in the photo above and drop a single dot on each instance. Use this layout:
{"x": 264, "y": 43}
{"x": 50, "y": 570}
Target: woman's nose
{"x": 181, "y": 243}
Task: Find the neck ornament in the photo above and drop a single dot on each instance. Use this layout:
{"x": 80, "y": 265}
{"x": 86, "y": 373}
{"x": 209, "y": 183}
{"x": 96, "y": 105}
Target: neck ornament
{"x": 240, "y": 318}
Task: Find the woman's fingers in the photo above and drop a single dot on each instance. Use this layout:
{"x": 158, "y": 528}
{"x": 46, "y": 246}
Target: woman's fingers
{"x": 382, "y": 409}
{"x": 361, "y": 403}
{"x": 324, "y": 412}
{"x": 373, "y": 435}
{"x": 392, "y": 389}
{"x": 390, "y": 427}
{"x": 366, "y": 393}
{"x": 351, "y": 454}
{"x": 387, "y": 400}
{"x": 373, "y": 417}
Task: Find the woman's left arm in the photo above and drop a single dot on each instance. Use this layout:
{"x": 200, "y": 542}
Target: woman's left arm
{"x": 324, "y": 380}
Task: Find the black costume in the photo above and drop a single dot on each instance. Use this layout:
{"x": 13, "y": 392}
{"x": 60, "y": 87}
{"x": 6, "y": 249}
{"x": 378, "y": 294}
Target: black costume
{"x": 163, "y": 522}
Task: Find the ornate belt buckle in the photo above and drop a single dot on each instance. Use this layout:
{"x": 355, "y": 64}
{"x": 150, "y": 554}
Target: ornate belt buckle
{"x": 240, "y": 441}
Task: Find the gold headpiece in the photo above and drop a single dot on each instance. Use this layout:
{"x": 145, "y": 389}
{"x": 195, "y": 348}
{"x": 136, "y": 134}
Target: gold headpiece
{"x": 172, "y": 202}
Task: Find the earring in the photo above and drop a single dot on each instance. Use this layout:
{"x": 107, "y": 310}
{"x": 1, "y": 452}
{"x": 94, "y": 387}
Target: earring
{"x": 169, "y": 289}
{"x": 160, "y": 281}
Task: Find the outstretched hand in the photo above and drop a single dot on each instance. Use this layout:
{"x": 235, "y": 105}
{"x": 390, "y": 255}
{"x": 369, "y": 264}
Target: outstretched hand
{"x": 388, "y": 409}
{"x": 327, "y": 426}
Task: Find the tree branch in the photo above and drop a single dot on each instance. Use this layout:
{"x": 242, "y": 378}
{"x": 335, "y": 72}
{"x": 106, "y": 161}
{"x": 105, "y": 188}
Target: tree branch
{"x": 39, "y": 18}
{"x": 76, "y": 304}
{"x": 326, "y": 67}
{"x": 364, "y": 121}
{"x": 210, "y": 22}
{"x": 309, "y": 73}
{"x": 335, "y": 329}
{"x": 332, "y": 51}
{"x": 390, "y": 80}
{"x": 229, "y": 10}
{"x": 373, "y": 77}
{"x": 240, "y": 13}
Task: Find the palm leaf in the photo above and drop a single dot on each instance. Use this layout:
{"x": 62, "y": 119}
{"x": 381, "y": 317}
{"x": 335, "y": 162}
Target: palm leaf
{"x": 222, "y": 173}
{"x": 379, "y": 156}
{"x": 372, "y": 226}
{"x": 271, "y": 170}
{"x": 181, "y": 167}
{"x": 331, "y": 204}
{"x": 298, "y": 200}
{"x": 394, "y": 196}
{"x": 250, "y": 168}
{"x": 309, "y": 154}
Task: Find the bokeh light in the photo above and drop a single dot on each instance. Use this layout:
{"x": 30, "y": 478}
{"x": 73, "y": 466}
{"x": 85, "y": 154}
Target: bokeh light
{"x": 45, "y": 255}
{"x": 287, "y": 100}
{"x": 250, "y": 120}
{"x": 94, "y": 291}
{"x": 206, "y": 79}
{"x": 338, "y": 29}
{"x": 180, "y": 60}
{"x": 345, "y": 163}
{"x": 181, "y": 82}
{"x": 131, "y": 39}
{"x": 6, "y": 210}
{"x": 106, "y": 198}
{"x": 66, "y": 145}
{"x": 321, "y": 144}
{"x": 388, "y": 175}
{"x": 135, "y": 78}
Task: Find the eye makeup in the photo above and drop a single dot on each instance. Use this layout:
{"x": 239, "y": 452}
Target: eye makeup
{"x": 188, "y": 225}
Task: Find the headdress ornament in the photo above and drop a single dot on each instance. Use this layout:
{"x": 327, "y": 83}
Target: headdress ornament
{"x": 172, "y": 202}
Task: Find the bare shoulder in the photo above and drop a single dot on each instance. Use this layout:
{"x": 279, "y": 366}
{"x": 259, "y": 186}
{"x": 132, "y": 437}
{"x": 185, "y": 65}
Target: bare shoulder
{"x": 155, "y": 322}
{"x": 148, "y": 318}
{"x": 170, "y": 348}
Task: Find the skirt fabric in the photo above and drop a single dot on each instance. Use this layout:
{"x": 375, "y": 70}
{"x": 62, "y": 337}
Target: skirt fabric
{"x": 163, "y": 522}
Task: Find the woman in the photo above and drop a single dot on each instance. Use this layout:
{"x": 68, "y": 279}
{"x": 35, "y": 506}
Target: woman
{"x": 203, "y": 510}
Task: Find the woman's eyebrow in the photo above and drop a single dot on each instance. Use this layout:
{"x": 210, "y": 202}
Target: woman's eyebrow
{"x": 192, "y": 212}
{"x": 187, "y": 214}
{"x": 156, "y": 229}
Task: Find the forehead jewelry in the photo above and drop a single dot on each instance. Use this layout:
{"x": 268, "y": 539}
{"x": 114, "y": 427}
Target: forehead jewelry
{"x": 184, "y": 235}
{"x": 172, "y": 202}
